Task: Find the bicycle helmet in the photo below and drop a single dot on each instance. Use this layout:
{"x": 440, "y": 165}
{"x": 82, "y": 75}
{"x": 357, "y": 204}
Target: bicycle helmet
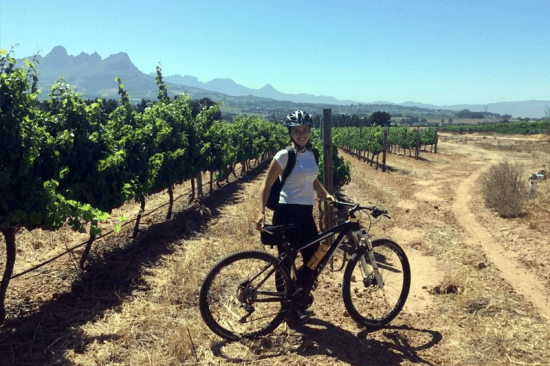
{"x": 298, "y": 118}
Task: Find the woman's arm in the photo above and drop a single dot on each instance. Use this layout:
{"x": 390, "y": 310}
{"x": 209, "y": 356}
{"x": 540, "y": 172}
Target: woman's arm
{"x": 272, "y": 174}
{"x": 321, "y": 191}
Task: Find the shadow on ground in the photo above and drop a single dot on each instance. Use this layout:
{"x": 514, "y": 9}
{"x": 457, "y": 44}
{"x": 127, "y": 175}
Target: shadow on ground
{"x": 318, "y": 337}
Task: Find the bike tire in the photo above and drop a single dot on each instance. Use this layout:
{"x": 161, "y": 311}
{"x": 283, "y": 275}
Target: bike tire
{"x": 226, "y": 297}
{"x": 365, "y": 302}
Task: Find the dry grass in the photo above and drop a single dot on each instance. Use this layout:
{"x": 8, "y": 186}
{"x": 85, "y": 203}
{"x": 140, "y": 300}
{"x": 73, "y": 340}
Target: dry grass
{"x": 542, "y": 197}
{"x": 363, "y": 183}
{"x": 445, "y": 243}
{"x": 409, "y": 166}
{"x": 490, "y": 324}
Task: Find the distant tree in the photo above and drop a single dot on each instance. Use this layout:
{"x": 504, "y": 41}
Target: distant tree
{"x": 507, "y": 116}
{"x": 109, "y": 105}
{"x": 450, "y": 120}
{"x": 465, "y": 113}
{"x": 316, "y": 121}
{"x": 410, "y": 120}
{"x": 346, "y": 120}
{"x": 140, "y": 107}
{"x": 43, "y": 105}
{"x": 197, "y": 105}
{"x": 380, "y": 118}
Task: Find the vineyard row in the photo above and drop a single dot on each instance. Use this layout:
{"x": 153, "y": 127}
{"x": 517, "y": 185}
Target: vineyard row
{"x": 368, "y": 142}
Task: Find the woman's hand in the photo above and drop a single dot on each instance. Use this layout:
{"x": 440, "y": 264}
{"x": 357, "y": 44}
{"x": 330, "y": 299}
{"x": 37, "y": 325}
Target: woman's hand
{"x": 330, "y": 197}
{"x": 272, "y": 174}
{"x": 260, "y": 221}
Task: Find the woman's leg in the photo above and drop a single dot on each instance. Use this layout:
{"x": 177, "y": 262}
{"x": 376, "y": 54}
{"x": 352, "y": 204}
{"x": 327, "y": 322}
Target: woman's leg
{"x": 302, "y": 216}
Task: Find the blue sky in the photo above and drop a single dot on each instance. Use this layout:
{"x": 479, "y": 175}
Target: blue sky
{"x": 434, "y": 52}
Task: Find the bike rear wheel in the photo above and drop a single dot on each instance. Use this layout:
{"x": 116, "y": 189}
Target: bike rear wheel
{"x": 245, "y": 295}
{"x": 366, "y": 302}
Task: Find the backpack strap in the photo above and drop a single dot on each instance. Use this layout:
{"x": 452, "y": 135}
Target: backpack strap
{"x": 289, "y": 165}
{"x": 316, "y": 154}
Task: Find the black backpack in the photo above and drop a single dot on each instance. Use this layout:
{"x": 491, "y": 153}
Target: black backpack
{"x": 275, "y": 192}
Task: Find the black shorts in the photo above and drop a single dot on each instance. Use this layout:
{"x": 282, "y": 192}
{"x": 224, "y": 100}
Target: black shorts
{"x": 302, "y": 215}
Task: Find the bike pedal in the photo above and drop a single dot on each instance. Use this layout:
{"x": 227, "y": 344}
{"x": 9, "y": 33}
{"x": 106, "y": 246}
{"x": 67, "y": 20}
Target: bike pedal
{"x": 299, "y": 316}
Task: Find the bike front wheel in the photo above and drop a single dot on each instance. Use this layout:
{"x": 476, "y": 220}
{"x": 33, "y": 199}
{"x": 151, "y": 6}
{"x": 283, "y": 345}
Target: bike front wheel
{"x": 245, "y": 295}
{"x": 367, "y": 302}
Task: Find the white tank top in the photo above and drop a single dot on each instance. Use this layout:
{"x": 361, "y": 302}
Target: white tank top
{"x": 298, "y": 188}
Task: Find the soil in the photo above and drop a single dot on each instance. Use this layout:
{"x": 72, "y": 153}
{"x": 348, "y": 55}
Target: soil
{"x": 436, "y": 193}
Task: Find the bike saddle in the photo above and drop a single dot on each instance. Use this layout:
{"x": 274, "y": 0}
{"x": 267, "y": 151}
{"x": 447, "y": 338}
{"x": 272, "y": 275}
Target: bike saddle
{"x": 278, "y": 229}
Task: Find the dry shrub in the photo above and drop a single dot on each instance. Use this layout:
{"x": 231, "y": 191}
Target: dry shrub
{"x": 504, "y": 188}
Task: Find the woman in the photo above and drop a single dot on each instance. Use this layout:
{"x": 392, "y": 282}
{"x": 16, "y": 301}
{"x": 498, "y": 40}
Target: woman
{"x": 296, "y": 199}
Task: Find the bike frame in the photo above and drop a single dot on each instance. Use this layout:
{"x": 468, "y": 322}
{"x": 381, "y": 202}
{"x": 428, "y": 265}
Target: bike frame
{"x": 352, "y": 225}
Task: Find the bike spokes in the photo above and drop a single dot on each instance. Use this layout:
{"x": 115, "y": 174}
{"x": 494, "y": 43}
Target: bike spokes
{"x": 245, "y": 296}
{"x": 369, "y": 301}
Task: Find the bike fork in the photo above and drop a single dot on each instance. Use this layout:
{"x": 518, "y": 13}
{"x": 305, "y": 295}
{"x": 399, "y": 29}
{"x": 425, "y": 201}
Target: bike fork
{"x": 367, "y": 243}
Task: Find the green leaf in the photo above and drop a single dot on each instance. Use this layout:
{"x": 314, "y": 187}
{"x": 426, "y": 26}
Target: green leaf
{"x": 94, "y": 230}
{"x": 103, "y": 216}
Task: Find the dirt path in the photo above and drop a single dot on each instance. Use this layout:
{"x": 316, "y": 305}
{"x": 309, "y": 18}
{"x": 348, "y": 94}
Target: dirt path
{"x": 523, "y": 281}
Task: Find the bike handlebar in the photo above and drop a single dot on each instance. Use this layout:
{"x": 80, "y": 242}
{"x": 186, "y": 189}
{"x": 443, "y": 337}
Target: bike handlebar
{"x": 374, "y": 211}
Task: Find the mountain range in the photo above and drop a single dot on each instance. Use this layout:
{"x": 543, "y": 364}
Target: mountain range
{"x": 230, "y": 87}
{"x": 95, "y": 77}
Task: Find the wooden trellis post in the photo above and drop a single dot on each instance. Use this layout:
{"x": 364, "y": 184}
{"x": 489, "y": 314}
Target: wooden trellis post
{"x": 199, "y": 184}
{"x": 416, "y": 155}
{"x": 384, "y": 149}
{"x": 327, "y": 162}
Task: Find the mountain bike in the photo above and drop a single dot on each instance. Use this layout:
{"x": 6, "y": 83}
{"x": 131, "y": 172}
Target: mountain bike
{"x": 247, "y": 294}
